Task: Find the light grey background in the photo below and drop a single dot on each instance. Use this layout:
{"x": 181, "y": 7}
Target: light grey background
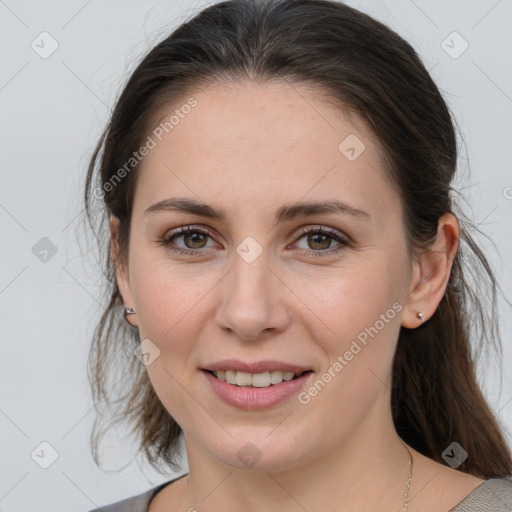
{"x": 52, "y": 112}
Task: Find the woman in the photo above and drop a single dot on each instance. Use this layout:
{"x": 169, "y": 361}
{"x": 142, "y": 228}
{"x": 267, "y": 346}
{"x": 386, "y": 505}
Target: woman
{"x": 283, "y": 244}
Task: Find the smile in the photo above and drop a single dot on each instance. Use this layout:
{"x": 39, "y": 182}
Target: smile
{"x": 257, "y": 380}
{"x": 248, "y": 395}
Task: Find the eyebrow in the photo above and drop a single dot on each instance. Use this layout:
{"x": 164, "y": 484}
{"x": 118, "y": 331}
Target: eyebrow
{"x": 284, "y": 213}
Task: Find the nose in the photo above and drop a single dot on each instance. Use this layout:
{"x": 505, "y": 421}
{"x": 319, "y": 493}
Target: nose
{"x": 252, "y": 303}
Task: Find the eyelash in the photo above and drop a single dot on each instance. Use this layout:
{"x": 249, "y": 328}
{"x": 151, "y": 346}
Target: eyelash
{"x": 331, "y": 233}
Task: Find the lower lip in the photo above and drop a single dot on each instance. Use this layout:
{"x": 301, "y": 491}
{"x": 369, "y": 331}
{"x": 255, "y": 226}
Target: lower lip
{"x": 252, "y": 399}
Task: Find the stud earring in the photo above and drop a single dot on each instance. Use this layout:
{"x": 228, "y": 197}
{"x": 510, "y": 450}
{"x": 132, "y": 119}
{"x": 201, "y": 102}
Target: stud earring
{"x": 420, "y": 316}
{"x": 129, "y": 311}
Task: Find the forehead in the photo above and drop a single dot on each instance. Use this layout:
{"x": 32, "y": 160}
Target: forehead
{"x": 251, "y": 115}
{"x": 275, "y": 141}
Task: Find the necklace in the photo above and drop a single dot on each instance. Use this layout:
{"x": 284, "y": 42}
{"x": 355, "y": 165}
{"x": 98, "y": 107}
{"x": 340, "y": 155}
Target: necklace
{"x": 409, "y": 480}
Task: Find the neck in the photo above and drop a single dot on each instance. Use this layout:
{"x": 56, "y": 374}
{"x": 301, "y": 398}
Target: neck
{"x": 368, "y": 470}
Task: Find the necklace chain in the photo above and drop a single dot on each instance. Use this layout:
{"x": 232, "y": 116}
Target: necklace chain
{"x": 409, "y": 480}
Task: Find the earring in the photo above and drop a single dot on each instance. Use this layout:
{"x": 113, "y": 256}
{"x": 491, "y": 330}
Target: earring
{"x": 129, "y": 311}
{"x": 420, "y": 316}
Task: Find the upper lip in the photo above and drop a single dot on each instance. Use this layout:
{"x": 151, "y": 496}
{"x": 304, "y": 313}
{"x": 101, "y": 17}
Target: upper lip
{"x": 255, "y": 367}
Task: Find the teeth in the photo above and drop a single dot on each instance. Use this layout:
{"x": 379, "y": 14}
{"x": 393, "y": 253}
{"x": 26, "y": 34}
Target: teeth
{"x": 257, "y": 380}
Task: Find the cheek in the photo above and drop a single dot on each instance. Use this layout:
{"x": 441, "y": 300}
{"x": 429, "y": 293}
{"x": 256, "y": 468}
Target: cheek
{"x": 172, "y": 305}
{"x": 341, "y": 303}
{"x": 170, "y": 297}
{"x": 364, "y": 323}
{"x": 353, "y": 315}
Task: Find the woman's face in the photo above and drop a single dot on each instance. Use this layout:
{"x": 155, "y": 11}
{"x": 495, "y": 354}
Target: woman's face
{"x": 258, "y": 284}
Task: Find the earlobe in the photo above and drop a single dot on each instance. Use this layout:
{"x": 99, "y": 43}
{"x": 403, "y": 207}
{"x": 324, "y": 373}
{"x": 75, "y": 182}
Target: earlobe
{"x": 431, "y": 273}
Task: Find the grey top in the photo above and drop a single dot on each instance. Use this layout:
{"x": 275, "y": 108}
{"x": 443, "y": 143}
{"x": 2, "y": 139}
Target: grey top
{"x": 491, "y": 496}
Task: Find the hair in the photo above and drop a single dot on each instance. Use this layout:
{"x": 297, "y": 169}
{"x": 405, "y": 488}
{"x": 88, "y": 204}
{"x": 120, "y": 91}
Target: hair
{"x": 364, "y": 67}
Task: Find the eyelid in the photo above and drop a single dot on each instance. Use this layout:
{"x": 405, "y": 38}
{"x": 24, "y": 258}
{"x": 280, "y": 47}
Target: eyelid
{"x": 323, "y": 229}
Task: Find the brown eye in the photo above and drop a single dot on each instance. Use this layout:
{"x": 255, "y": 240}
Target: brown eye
{"x": 186, "y": 240}
{"x": 319, "y": 241}
{"x": 195, "y": 240}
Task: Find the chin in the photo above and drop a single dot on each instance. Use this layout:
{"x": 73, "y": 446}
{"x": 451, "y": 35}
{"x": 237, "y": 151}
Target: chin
{"x": 260, "y": 453}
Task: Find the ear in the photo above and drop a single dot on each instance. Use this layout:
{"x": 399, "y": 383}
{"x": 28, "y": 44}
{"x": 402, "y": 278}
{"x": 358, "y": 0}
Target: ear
{"x": 121, "y": 269}
{"x": 431, "y": 272}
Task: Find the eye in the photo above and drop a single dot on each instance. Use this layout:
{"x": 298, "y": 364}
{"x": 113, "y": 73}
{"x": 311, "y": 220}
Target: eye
{"x": 193, "y": 239}
{"x": 320, "y": 240}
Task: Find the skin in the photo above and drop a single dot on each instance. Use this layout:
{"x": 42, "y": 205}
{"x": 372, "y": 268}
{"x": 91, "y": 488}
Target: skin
{"x": 250, "y": 149}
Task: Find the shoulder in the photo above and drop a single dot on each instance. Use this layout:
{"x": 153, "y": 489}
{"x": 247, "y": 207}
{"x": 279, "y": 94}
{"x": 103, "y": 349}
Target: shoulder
{"x": 493, "y": 494}
{"x": 138, "y": 503}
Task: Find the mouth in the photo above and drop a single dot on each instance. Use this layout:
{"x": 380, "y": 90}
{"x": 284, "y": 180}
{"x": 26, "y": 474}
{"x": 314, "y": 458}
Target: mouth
{"x": 252, "y": 392}
{"x": 255, "y": 380}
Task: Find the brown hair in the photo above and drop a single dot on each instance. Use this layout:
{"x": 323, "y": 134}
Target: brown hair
{"x": 365, "y": 67}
